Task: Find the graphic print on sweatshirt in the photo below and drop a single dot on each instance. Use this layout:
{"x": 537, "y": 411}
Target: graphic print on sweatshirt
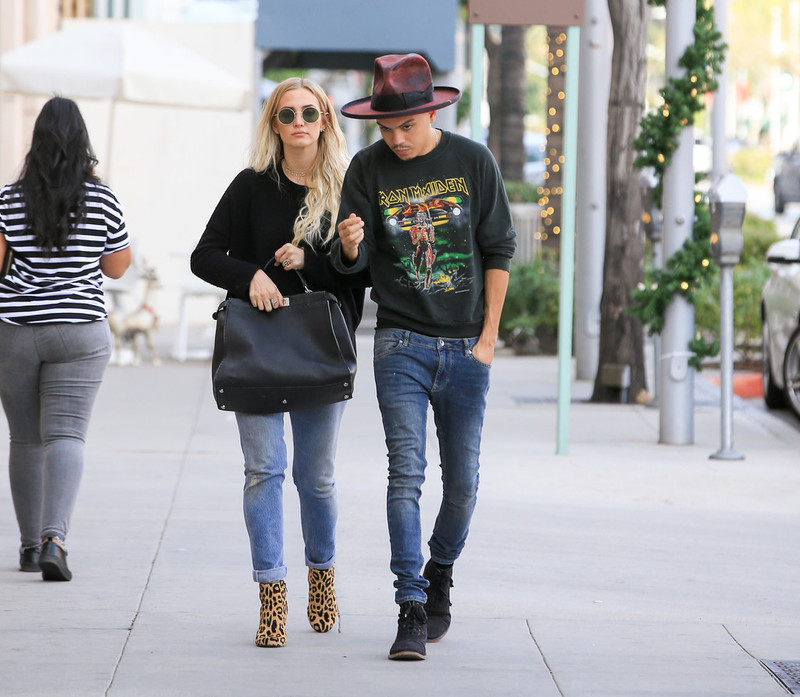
{"x": 427, "y": 228}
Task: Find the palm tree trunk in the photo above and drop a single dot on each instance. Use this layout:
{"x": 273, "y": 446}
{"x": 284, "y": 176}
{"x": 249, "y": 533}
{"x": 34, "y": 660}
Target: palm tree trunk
{"x": 506, "y": 97}
{"x": 621, "y": 334}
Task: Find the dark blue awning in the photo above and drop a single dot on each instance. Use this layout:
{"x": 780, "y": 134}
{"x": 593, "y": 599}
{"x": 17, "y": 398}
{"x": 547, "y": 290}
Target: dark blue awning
{"x": 349, "y": 34}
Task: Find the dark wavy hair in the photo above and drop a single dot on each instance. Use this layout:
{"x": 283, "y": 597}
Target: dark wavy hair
{"x": 57, "y": 166}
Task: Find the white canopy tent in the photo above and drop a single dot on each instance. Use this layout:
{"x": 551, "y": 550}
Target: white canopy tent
{"x": 118, "y": 61}
{"x": 171, "y": 126}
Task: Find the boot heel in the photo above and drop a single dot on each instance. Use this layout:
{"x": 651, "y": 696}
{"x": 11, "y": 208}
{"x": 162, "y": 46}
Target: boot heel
{"x": 53, "y": 561}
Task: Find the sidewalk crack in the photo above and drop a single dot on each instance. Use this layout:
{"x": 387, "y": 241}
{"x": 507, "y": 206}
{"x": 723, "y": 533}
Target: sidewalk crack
{"x": 544, "y": 659}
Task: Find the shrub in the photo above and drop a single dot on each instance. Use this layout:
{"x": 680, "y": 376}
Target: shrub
{"x": 531, "y": 305}
{"x": 751, "y": 163}
{"x": 521, "y": 192}
{"x": 759, "y": 234}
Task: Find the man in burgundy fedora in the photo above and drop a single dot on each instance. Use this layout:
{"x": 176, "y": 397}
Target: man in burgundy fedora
{"x": 426, "y": 211}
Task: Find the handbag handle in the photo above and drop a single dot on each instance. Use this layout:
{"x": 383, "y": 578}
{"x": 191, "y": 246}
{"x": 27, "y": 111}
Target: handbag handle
{"x": 306, "y": 289}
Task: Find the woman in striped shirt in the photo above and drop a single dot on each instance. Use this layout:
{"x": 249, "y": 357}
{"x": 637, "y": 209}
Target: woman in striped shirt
{"x": 63, "y": 229}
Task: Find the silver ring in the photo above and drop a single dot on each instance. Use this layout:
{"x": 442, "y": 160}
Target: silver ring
{"x": 286, "y": 262}
{"x": 274, "y": 302}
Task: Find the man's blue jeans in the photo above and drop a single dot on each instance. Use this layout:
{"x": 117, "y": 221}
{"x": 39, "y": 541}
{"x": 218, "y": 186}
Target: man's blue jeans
{"x": 315, "y": 434}
{"x": 412, "y": 371}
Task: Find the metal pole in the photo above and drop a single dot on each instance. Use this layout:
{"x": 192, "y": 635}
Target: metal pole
{"x": 567, "y": 277}
{"x": 677, "y": 377}
{"x": 590, "y": 226}
{"x": 726, "y": 451}
{"x": 478, "y": 39}
{"x": 719, "y": 138}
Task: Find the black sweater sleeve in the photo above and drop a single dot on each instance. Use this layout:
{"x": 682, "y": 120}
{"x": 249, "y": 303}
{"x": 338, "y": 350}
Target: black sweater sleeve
{"x": 221, "y": 257}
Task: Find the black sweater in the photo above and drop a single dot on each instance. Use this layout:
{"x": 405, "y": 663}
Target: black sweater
{"x": 433, "y": 225}
{"x": 253, "y": 219}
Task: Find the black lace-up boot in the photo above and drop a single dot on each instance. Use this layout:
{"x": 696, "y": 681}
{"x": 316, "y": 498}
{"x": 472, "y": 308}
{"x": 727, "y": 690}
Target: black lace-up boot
{"x": 411, "y": 633}
{"x": 437, "y": 607}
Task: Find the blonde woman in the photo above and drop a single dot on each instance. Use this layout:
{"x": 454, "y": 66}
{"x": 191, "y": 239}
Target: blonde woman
{"x": 283, "y": 205}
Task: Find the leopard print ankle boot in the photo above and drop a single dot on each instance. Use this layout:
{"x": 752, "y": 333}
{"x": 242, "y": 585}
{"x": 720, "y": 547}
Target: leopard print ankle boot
{"x": 322, "y": 610}
{"x": 274, "y": 608}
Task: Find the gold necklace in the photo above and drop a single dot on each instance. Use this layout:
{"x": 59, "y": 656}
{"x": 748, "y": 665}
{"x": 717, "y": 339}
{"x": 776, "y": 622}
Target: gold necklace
{"x": 299, "y": 175}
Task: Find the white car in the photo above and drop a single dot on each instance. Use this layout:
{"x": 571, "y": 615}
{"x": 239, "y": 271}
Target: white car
{"x": 780, "y": 324}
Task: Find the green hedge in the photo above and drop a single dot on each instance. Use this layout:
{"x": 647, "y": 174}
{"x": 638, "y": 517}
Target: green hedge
{"x": 752, "y": 164}
{"x": 531, "y": 305}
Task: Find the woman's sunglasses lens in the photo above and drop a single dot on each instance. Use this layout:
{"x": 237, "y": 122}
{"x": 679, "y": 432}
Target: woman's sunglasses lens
{"x": 310, "y": 114}
{"x": 286, "y": 116}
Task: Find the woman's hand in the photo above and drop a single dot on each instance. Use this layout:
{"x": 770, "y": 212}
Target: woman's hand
{"x": 290, "y": 257}
{"x": 264, "y": 294}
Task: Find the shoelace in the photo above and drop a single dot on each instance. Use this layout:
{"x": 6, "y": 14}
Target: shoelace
{"x": 412, "y": 621}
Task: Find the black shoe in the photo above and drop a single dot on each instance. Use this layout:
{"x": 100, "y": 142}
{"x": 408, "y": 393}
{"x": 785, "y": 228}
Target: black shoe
{"x": 411, "y": 633}
{"x": 437, "y": 607}
{"x": 53, "y": 561}
{"x": 29, "y": 559}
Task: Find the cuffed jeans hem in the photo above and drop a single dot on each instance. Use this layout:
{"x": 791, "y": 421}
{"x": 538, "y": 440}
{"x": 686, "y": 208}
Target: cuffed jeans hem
{"x": 405, "y": 597}
{"x": 269, "y": 575}
{"x": 323, "y": 566}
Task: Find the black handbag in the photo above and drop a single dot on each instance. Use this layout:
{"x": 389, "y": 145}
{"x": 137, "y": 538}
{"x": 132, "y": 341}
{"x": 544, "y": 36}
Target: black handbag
{"x": 297, "y": 356}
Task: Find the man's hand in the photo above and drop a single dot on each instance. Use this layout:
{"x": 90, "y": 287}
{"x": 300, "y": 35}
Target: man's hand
{"x": 483, "y": 350}
{"x": 351, "y": 232}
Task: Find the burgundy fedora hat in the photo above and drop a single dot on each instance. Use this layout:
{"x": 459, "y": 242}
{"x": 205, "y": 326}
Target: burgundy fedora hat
{"x": 402, "y": 85}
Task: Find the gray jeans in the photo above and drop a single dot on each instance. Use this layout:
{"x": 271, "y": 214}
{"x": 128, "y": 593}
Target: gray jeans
{"x": 49, "y": 378}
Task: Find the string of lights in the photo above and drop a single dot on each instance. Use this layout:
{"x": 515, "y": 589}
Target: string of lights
{"x": 550, "y": 193}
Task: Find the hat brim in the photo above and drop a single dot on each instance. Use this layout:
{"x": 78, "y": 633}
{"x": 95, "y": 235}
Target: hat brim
{"x": 362, "y": 108}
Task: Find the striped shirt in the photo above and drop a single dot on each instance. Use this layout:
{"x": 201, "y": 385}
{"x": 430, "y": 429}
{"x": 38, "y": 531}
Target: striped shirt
{"x": 67, "y": 285}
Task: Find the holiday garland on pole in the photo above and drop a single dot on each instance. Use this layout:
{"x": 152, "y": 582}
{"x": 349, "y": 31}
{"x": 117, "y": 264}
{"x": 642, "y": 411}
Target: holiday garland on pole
{"x": 690, "y": 266}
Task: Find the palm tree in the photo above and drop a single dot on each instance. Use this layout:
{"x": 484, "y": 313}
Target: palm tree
{"x": 506, "y": 97}
{"x": 621, "y": 334}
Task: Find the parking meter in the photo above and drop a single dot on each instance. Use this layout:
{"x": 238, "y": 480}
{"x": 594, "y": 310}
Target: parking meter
{"x": 726, "y": 204}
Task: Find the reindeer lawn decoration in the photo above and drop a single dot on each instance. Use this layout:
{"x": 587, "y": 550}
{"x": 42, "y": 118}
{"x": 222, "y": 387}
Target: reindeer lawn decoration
{"x": 126, "y": 326}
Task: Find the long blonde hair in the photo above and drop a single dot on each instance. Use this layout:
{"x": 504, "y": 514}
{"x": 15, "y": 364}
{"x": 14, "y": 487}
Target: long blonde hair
{"x": 324, "y": 179}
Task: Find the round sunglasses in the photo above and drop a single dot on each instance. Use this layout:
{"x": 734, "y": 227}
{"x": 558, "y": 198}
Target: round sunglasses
{"x": 287, "y": 115}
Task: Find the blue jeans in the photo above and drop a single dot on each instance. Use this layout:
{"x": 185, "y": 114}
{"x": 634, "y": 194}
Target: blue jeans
{"x": 49, "y": 378}
{"x": 315, "y": 434}
{"x": 412, "y": 371}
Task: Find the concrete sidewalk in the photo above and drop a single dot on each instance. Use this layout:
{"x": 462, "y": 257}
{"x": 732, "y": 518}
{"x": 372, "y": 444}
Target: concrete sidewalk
{"x": 624, "y": 567}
